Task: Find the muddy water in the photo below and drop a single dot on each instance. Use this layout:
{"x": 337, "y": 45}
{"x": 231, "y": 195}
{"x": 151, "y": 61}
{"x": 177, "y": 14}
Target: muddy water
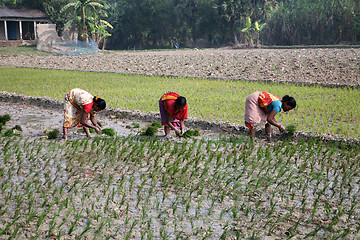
{"x": 34, "y": 120}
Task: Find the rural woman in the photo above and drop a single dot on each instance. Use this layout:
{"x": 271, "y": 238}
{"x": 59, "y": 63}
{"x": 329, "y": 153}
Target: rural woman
{"x": 79, "y": 107}
{"x": 261, "y": 108}
{"x": 173, "y": 111}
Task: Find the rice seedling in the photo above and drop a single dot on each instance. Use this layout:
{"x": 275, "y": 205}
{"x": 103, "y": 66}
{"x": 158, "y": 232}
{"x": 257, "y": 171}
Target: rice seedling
{"x": 156, "y": 124}
{"x": 4, "y": 119}
{"x": 311, "y": 99}
{"x": 52, "y": 134}
{"x": 211, "y": 180}
{"x": 191, "y": 133}
{"x": 108, "y": 131}
{"x": 150, "y": 131}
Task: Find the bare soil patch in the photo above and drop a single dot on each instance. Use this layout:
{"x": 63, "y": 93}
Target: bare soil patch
{"x": 328, "y": 66}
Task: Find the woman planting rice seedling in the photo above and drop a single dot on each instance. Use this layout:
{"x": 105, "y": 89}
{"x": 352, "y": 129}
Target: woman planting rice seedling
{"x": 261, "y": 108}
{"x": 79, "y": 107}
{"x": 173, "y": 111}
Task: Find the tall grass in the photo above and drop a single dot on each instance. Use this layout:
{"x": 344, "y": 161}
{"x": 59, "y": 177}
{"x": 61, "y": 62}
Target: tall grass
{"x": 320, "y": 109}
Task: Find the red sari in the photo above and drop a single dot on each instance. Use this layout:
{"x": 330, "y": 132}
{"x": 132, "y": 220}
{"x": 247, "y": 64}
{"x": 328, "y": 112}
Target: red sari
{"x": 167, "y": 103}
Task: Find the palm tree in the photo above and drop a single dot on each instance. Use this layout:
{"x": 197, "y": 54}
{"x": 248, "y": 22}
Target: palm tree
{"x": 233, "y": 11}
{"x": 81, "y": 11}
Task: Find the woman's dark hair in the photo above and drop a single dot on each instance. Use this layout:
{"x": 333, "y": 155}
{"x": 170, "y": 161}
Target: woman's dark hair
{"x": 289, "y": 101}
{"x": 100, "y": 102}
{"x": 180, "y": 101}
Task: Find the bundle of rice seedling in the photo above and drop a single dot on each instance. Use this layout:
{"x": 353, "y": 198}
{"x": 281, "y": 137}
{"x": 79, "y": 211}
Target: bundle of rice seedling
{"x": 4, "y": 119}
{"x": 156, "y": 124}
{"x": 290, "y": 128}
{"x": 109, "y": 131}
{"x": 150, "y": 131}
{"x": 53, "y": 134}
{"x": 18, "y": 128}
{"x": 191, "y": 133}
{"x": 11, "y": 132}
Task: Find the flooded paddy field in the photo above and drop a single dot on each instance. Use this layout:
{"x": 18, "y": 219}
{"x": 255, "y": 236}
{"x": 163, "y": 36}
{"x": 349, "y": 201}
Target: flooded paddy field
{"x": 209, "y": 187}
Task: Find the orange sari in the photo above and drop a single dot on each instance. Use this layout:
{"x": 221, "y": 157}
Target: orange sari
{"x": 266, "y": 98}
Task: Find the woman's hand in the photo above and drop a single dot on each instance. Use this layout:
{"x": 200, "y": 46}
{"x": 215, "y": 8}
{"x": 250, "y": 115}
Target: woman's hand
{"x": 281, "y": 128}
{"x": 178, "y": 133}
{"x": 97, "y": 130}
{"x": 183, "y": 130}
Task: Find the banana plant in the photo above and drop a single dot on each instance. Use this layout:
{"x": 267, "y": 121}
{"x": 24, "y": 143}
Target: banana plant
{"x": 252, "y": 32}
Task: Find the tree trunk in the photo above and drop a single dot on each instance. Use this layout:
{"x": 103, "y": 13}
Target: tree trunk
{"x": 256, "y": 37}
{"x": 104, "y": 43}
{"x": 235, "y": 38}
{"x": 84, "y": 37}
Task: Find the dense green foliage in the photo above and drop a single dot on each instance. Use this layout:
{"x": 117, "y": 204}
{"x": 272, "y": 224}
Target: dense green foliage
{"x": 207, "y": 23}
{"x": 314, "y": 22}
{"x": 319, "y": 109}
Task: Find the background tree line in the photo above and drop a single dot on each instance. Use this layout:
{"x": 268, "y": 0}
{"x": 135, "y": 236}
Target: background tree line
{"x": 143, "y": 24}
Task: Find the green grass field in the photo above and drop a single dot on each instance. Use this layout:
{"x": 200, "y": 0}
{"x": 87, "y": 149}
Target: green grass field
{"x": 322, "y": 110}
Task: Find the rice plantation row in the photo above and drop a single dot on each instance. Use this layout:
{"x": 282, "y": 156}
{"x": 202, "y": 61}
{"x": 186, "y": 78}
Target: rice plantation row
{"x": 321, "y": 110}
{"x": 138, "y": 187}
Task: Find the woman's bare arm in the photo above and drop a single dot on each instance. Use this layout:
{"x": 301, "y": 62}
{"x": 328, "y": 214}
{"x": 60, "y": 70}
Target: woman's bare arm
{"x": 84, "y": 122}
{"x": 271, "y": 119}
